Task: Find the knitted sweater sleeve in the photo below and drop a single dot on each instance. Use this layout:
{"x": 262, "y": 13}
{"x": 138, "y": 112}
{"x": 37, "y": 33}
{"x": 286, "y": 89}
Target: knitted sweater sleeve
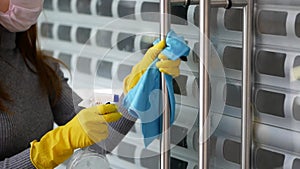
{"x": 20, "y": 160}
{"x": 67, "y": 106}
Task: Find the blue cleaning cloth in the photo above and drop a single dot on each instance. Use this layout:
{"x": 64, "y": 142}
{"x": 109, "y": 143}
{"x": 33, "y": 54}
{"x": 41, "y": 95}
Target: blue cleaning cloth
{"x": 144, "y": 101}
{"x": 175, "y": 46}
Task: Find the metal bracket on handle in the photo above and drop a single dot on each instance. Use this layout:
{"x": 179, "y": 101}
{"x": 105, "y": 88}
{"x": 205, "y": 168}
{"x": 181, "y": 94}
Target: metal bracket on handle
{"x": 213, "y": 3}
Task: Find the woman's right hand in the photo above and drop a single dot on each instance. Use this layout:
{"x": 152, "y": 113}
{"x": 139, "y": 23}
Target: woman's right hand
{"x": 89, "y": 126}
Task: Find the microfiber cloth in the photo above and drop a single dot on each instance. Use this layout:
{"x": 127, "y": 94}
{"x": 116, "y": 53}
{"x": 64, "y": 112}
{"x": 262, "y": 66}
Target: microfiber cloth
{"x": 144, "y": 101}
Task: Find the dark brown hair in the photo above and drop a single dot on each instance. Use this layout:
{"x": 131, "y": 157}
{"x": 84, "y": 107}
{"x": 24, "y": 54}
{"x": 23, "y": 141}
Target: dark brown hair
{"x": 27, "y": 42}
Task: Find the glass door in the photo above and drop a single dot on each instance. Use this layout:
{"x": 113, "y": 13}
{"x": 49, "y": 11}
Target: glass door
{"x": 101, "y": 40}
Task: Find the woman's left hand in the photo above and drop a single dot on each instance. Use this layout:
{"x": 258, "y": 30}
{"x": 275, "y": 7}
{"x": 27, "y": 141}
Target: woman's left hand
{"x": 170, "y": 67}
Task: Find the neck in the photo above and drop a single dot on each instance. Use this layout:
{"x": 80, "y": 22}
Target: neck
{"x": 7, "y": 39}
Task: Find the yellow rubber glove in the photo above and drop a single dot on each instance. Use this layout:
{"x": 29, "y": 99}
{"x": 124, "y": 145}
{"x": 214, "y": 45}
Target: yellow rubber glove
{"x": 86, "y": 128}
{"x": 139, "y": 69}
{"x": 170, "y": 67}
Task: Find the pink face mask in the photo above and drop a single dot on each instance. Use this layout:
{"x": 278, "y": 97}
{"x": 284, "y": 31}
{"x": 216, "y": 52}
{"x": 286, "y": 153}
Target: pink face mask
{"x": 21, "y": 14}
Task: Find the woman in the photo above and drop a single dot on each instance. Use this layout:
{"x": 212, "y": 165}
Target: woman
{"x": 34, "y": 94}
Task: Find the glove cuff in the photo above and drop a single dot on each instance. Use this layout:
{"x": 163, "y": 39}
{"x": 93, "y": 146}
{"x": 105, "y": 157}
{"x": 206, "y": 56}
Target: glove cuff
{"x": 49, "y": 152}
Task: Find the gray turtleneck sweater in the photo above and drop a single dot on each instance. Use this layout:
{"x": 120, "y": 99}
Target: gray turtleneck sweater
{"x": 32, "y": 115}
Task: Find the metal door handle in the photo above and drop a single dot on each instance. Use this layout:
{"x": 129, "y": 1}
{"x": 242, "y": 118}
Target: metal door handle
{"x": 165, "y": 135}
{"x": 204, "y": 9}
{"x": 204, "y": 18}
{"x": 246, "y": 85}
